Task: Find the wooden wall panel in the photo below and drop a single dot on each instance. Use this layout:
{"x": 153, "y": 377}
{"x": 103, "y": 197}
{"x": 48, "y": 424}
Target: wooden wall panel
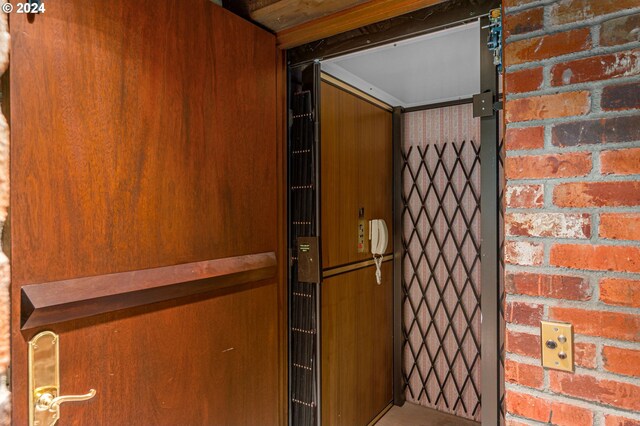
{"x": 356, "y": 172}
{"x": 357, "y": 355}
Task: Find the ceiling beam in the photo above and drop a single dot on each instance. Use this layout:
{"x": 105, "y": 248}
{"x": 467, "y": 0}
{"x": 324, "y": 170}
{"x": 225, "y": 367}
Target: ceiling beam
{"x": 355, "y": 17}
{"x": 285, "y": 14}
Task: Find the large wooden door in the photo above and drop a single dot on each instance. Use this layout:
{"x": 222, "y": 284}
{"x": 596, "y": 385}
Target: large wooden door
{"x": 356, "y": 315}
{"x": 144, "y": 210}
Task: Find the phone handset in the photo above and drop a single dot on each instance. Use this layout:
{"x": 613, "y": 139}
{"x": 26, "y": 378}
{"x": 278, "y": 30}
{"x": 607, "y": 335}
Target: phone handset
{"x": 379, "y": 236}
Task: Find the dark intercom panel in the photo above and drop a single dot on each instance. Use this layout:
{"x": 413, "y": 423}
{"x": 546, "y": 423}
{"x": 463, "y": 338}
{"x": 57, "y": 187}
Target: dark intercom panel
{"x": 308, "y": 260}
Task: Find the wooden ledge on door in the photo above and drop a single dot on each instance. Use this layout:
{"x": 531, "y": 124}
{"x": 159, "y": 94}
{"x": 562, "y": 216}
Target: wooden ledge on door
{"x": 59, "y": 301}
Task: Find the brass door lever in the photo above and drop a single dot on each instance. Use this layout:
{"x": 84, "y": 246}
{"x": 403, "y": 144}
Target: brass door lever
{"x": 44, "y": 381}
{"x": 47, "y": 401}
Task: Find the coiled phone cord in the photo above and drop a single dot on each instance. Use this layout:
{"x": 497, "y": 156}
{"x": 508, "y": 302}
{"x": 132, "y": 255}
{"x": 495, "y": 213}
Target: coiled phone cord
{"x": 377, "y": 259}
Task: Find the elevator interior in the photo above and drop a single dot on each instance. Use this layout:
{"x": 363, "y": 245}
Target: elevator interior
{"x": 387, "y": 134}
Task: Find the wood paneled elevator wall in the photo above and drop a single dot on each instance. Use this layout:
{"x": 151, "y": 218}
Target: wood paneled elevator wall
{"x": 356, "y": 328}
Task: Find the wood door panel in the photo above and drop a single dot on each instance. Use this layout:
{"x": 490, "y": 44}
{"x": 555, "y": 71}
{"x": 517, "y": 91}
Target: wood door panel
{"x": 166, "y": 374}
{"x": 139, "y": 154}
{"x": 356, "y": 171}
{"x": 357, "y": 356}
{"x": 144, "y": 137}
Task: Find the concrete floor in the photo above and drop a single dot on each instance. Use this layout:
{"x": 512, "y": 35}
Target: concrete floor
{"x": 416, "y": 415}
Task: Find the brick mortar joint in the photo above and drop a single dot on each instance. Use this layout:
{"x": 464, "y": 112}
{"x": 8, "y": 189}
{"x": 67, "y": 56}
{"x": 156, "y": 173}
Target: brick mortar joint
{"x": 573, "y": 119}
{"x": 524, "y": 420}
{"x": 573, "y": 56}
{"x": 556, "y": 270}
{"x": 594, "y": 240}
{"x": 512, "y": 10}
{"x": 551, "y": 396}
{"x": 575, "y": 179}
{"x": 595, "y": 89}
{"x": 591, "y": 148}
{"x": 594, "y": 304}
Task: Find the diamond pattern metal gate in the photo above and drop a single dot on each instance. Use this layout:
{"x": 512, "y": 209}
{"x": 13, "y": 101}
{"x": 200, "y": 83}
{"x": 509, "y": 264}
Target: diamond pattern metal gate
{"x": 441, "y": 276}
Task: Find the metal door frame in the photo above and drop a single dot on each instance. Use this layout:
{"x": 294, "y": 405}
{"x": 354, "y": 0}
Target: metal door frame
{"x": 445, "y": 15}
{"x": 313, "y": 218}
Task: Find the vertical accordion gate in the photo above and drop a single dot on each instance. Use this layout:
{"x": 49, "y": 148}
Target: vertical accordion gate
{"x": 452, "y": 307}
{"x": 440, "y": 283}
{"x": 441, "y": 270}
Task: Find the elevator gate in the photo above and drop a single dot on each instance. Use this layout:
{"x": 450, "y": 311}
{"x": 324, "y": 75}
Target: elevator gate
{"x": 441, "y": 268}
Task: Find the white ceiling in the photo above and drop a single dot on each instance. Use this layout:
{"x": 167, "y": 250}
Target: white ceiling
{"x": 436, "y": 67}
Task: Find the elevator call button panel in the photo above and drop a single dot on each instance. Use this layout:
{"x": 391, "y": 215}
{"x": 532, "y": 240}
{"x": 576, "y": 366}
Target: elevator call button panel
{"x": 362, "y": 241}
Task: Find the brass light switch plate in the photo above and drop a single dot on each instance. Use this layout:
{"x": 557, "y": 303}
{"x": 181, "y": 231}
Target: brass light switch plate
{"x": 557, "y": 345}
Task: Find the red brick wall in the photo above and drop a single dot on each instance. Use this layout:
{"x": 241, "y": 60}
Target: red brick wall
{"x": 573, "y": 207}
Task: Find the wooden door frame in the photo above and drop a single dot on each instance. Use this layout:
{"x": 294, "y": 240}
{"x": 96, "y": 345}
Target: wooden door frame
{"x": 283, "y": 261}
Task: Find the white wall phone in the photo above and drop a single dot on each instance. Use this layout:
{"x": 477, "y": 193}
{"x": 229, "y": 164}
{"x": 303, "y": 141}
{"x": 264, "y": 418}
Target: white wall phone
{"x": 379, "y": 236}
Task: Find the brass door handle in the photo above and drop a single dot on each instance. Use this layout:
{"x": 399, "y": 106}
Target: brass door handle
{"x": 44, "y": 381}
{"x": 47, "y": 401}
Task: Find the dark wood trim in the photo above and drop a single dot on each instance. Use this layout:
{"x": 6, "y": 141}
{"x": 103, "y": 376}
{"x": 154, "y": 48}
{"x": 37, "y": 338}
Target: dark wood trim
{"x": 283, "y": 264}
{"x": 280, "y": 15}
{"x": 55, "y": 302}
{"x": 355, "y": 17}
